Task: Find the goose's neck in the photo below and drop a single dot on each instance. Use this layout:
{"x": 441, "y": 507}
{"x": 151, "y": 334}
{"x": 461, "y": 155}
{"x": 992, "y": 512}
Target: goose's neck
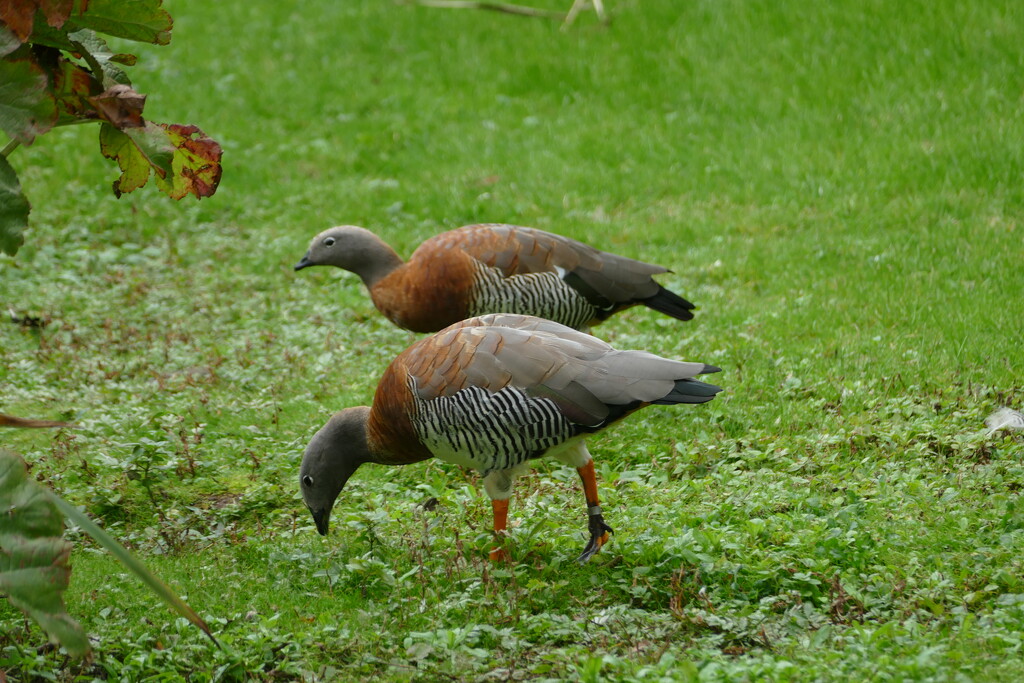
{"x": 378, "y": 265}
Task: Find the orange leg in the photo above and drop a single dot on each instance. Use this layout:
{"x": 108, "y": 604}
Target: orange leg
{"x": 500, "y": 508}
{"x": 598, "y": 529}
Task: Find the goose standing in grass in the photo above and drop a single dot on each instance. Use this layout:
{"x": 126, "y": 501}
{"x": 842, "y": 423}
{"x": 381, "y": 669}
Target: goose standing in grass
{"x": 493, "y": 268}
{"x": 491, "y": 393}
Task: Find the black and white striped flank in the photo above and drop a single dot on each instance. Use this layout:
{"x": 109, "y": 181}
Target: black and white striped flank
{"x": 489, "y": 431}
{"x": 545, "y": 295}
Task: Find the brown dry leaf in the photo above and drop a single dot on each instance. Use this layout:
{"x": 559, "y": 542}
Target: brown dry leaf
{"x": 121, "y": 106}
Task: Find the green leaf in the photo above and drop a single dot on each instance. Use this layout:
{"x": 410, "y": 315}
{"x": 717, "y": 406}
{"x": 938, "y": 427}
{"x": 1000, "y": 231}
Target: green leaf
{"x": 142, "y": 20}
{"x": 136, "y": 151}
{"x": 134, "y": 167}
{"x": 34, "y": 568}
{"x": 157, "y": 147}
{"x": 27, "y": 108}
{"x": 14, "y": 208}
{"x": 51, "y": 37}
{"x": 101, "y": 52}
{"x": 140, "y": 570}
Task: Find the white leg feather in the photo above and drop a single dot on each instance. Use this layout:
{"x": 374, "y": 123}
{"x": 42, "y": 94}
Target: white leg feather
{"x": 574, "y": 453}
{"x": 498, "y": 485}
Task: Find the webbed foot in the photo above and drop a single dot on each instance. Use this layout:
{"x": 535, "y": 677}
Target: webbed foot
{"x": 598, "y": 537}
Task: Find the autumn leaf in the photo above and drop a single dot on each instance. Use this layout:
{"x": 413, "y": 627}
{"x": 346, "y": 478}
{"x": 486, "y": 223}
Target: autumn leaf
{"x": 183, "y": 158}
{"x": 72, "y": 88}
{"x": 196, "y": 164}
{"x": 34, "y": 569}
{"x": 56, "y": 71}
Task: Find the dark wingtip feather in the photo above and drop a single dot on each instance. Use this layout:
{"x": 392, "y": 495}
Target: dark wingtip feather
{"x": 708, "y": 369}
{"x": 670, "y": 303}
{"x": 689, "y": 391}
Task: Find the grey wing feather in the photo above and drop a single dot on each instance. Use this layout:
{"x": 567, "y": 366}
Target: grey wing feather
{"x": 616, "y": 278}
{"x": 532, "y": 323}
{"x": 585, "y": 374}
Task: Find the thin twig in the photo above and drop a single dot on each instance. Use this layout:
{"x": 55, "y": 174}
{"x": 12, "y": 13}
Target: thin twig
{"x": 11, "y": 421}
{"x": 494, "y": 6}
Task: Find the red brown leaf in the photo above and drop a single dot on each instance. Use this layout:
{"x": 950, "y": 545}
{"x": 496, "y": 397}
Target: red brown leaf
{"x": 56, "y": 11}
{"x": 197, "y": 167}
{"x": 18, "y": 16}
{"x": 73, "y": 87}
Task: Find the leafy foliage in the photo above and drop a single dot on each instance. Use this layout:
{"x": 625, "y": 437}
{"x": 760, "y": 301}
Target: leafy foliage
{"x": 56, "y": 70}
{"x": 34, "y": 569}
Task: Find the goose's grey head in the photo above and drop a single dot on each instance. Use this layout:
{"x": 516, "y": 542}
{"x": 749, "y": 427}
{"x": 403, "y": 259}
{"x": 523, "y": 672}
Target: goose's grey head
{"x": 354, "y": 249}
{"x": 331, "y": 458}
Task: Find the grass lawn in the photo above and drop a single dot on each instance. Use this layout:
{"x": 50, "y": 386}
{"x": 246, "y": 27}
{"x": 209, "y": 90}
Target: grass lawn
{"x": 838, "y": 186}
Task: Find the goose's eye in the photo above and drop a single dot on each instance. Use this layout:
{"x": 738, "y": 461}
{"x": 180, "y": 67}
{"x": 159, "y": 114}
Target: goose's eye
{"x": 307, "y": 480}
{"x": 329, "y": 241}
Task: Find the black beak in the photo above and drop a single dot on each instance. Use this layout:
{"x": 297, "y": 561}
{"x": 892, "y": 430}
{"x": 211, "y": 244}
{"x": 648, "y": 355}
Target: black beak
{"x": 304, "y": 263}
{"x": 321, "y": 518}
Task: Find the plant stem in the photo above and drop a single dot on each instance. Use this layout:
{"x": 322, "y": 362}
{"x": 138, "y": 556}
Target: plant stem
{"x": 9, "y": 147}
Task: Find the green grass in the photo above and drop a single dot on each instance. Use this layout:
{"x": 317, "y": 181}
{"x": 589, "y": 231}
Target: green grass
{"x": 836, "y": 185}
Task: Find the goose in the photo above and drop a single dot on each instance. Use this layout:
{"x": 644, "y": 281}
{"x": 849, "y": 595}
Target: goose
{"x": 494, "y": 268}
{"x": 491, "y": 393}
